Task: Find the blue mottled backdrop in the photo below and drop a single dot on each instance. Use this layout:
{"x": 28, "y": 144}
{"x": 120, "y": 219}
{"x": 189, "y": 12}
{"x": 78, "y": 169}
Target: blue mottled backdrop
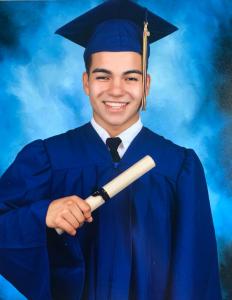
{"x": 190, "y": 100}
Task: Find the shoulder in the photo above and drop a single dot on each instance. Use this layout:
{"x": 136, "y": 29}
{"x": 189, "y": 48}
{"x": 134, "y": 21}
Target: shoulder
{"x": 32, "y": 159}
{"x": 64, "y": 149}
{"x": 55, "y": 150}
{"x": 66, "y": 137}
{"x": 170, "y": 158}
{"x": 33, "y": 153}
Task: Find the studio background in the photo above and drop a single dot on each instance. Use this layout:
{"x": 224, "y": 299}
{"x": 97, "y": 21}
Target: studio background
{"x": 190, "y": 101}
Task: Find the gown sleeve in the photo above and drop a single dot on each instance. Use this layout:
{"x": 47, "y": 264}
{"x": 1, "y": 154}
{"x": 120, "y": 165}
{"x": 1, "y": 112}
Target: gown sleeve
{"x": 194, "y": 271}
{"x": 24, "y": 200}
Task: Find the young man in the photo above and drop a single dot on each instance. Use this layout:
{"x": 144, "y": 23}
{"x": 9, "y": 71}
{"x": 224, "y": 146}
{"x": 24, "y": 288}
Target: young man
{"x": 155, "y": 239}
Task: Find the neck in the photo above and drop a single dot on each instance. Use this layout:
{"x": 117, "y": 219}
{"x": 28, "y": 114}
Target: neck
{"x": 115, "y": 130}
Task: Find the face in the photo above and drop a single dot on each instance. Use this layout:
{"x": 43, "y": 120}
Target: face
{"x": 114, "y": 87}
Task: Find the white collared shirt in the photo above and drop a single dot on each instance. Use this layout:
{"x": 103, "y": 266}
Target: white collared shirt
{"x": 126, "y": 136}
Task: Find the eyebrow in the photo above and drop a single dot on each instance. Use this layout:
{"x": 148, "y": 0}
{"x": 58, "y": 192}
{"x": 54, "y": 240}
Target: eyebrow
{"x": 133, "y": 71}
{"x": 100, "y": 70}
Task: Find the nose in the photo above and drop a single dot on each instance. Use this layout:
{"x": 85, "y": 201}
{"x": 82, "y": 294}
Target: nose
{"x": 116, "y": 88}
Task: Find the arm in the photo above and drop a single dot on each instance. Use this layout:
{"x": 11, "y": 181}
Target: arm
{"x": 24, "y": 199}
{"x": 26, "y": 212}
{"x": 194, "y": 270}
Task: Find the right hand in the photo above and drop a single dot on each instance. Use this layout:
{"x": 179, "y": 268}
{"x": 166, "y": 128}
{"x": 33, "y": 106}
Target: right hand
{"x": 68, "y": 214}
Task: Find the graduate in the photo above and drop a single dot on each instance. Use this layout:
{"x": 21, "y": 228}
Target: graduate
{"x": 155, "y": 239}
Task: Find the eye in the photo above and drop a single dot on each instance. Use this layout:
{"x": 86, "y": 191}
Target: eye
{"x": 132, "y": 79}
{"x": 102, "y": 78}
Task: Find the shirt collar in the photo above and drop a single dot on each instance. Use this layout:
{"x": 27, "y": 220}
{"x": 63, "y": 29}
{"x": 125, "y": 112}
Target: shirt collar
{"x": 126, "y": 136}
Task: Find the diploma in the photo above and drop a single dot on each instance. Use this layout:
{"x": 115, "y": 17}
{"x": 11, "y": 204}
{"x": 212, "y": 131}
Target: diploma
{"x": 118, "y": 183}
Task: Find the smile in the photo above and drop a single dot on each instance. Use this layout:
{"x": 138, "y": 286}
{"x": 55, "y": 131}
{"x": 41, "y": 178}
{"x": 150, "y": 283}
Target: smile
{"x": 115, "y": 105}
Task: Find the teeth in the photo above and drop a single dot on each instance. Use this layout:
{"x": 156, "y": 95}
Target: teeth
{"x": 115, "y": 104}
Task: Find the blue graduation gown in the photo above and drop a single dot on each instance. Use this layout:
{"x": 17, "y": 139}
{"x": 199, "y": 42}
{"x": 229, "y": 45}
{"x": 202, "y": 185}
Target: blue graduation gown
{"x": 154, "y": 240}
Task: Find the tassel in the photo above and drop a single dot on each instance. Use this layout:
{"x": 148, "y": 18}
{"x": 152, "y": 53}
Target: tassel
{"x": 146, "y": 34}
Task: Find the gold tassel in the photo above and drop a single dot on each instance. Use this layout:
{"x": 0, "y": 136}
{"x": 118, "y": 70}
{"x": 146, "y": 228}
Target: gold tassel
{"x": 146, "y": 33}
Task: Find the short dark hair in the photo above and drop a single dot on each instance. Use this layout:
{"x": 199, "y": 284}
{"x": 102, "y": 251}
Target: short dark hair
{"x": 88, "y": 63}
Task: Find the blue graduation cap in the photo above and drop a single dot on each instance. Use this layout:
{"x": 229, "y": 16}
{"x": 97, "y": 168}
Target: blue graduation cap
{"x": 117, "y": 25}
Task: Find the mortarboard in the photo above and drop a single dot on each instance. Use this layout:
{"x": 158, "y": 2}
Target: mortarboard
{"x": 118, "y": 25}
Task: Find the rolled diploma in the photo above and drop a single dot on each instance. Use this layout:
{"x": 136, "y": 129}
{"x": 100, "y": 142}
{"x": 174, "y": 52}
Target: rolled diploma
{"x": 120, "y": 182}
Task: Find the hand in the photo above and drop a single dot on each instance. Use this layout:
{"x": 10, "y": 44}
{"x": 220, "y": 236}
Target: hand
{"x": 68, "y": 214}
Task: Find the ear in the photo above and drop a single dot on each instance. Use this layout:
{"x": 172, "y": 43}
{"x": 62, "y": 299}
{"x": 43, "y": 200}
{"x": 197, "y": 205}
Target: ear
{"x": 85, "y": 82}
{"x": 148, "y": 84}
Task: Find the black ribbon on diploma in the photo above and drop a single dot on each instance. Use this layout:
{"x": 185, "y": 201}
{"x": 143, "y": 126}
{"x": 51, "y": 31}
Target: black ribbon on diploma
{"x": 101, "y": 192}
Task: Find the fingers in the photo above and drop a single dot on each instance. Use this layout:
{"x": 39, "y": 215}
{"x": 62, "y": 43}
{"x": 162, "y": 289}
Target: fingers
{"x": 76, "y": 212}
{"x": 83, "y": 205}
{"x": 80, "y": 210}
{"x": 74, "y": 221}
{"x": 89, "y": 220}
{"x": 68, "y": 214}
{"x": 66, "y": 226}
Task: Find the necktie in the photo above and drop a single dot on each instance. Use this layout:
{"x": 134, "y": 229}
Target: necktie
{"x": 113, "y": 144}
